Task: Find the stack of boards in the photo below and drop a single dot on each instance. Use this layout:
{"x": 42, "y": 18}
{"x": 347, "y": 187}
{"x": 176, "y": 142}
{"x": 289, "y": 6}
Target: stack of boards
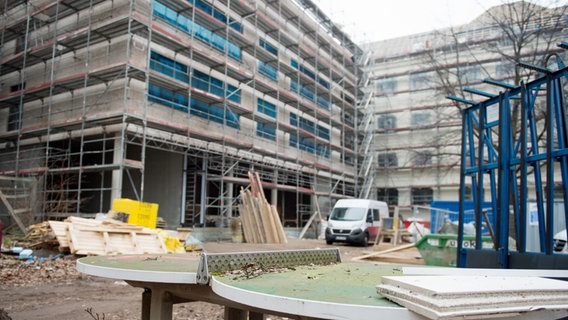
{"x": 105, "y": 237}
{"x": 260, "y": 220}
{"x": 475, "y": 297}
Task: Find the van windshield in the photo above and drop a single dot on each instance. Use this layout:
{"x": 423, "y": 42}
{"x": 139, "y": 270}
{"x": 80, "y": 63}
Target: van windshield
{"x": 348, "y": 214}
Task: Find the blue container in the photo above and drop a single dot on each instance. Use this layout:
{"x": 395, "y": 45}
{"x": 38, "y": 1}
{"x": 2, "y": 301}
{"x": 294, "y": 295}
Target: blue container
{"x": 442, "y": 211}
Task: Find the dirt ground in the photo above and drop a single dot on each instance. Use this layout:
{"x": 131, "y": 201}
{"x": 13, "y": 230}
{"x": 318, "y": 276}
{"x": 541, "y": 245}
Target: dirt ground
{"x": 55, "y": 290}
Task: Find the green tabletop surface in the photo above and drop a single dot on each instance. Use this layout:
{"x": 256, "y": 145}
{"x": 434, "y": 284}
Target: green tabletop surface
{"x": 345, "y": 283}
{"x": 146, "y": 262}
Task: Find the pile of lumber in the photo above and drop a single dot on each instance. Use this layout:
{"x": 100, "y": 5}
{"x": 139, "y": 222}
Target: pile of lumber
{"x": 260, "y": 220}
{"x": 105, "y": 237}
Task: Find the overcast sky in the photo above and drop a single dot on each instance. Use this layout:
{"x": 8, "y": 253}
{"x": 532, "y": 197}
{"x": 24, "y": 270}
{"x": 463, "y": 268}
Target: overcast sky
{"x": 373, "y": 20}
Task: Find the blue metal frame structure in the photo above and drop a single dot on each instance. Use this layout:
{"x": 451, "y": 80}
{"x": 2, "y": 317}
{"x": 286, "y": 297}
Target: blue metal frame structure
{"x": 490, "y": 150}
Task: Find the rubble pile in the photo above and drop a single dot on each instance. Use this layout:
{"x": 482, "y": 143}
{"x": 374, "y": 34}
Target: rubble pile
{"x": 15, "y": 272}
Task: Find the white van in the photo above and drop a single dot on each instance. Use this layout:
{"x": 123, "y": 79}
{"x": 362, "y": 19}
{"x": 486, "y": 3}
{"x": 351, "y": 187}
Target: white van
{"x": 355, "y": 221}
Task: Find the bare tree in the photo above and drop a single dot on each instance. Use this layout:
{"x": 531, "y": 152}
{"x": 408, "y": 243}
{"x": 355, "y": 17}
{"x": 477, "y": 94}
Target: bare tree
{"x": 508, "y": 44}
{"x": 492, "y": 46}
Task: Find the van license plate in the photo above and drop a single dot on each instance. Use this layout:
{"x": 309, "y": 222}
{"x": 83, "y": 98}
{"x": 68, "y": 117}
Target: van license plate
{"x": 341, "y": 238}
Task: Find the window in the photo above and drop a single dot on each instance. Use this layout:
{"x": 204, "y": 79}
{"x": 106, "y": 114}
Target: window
{"x": 423, "y": 158}
{"x": 265, "y": 130}
{"x": 309, "y": 146}
{"x": 266, "y": 107}
{"x": 386, "y": 122}
{"x": 388, "y": 195}
{"x": 14, "y": 121}
{"x": 420, "y": 119}
{"x": 212, "y": 11}
{"x": 470, "y": 74}
{"x": 421, "y": 196}
{"x": 504, "y": 69}
{"x": 309, "y": 126}
{"x": 309, "y": 94}
{"x": 266, "y": 45}
{"x": 267, "y": 70}
{"x": 309, "y": 73}
{"x": 388, "y": 159}
{"x": 505, "y": 41}
{"x": 386, "y": 86}
{"x": 185, "y": 24}
{"x": 420, "y": 80}
{"x": 169, "y": 67}
{"x": 203, "y": 81}
{"x": 201, "y": 109}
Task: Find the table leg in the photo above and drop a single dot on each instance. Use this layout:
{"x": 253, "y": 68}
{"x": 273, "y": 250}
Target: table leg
{"x": 255, "y": 316}
{"x": 235, "y": 314}
{"x": 146, "y": 301}
{"x": 161, "y": 304}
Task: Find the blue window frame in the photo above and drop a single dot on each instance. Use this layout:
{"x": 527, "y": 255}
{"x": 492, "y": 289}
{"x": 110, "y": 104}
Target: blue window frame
{"x": 168, "y": 98}
{"x": 203, "y": 81}
{"x": 210, "y": 10}
{"x": 266, "y": 107}
{"x": 266, "y": 45}
{"x": 265, "y": 130}
{"x": 309, "y": 146}
{"x": 309, "y": 126}
{"x": 169, "y": 67}
{"x": 196, "y": 107}
{"x": 309, "y": 73}
{"x": 309, "y": 94}
{"x": 267, "y": 70}
{"x": 199, "y": 79}
{"x": 200, "y": 32}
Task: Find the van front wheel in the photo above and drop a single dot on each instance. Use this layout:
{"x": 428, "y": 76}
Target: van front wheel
{"x": 329, "y": 242}
{"x": 365, "y": 242}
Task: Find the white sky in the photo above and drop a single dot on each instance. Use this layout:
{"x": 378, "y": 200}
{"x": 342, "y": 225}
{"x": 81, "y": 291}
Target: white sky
{"x": 373, "y": 20}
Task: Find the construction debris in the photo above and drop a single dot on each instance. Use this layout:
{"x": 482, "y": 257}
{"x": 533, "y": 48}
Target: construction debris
{"x": 260, "y": 221}
{"x": 405, "y": 254}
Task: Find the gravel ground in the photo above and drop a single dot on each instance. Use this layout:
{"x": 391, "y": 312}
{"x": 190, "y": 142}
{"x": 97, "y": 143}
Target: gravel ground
{"x": 54, "y": 289}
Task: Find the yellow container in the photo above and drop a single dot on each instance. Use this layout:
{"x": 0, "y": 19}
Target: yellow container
{"x": 139, "y": 213}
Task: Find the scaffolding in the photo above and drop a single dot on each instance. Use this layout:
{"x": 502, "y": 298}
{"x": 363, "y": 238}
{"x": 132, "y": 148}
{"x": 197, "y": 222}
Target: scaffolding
{"x": 103, "y": 100}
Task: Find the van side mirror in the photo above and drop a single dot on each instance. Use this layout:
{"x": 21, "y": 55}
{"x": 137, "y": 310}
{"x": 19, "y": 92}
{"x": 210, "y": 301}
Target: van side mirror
{"x": 369, "y": 219}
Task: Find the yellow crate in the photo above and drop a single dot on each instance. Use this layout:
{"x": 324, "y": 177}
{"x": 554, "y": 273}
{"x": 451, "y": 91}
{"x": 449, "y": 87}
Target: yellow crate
{"x": 139, "y": 213}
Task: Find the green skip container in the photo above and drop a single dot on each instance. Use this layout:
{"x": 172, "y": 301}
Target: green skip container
{"x": 441, "y": 249}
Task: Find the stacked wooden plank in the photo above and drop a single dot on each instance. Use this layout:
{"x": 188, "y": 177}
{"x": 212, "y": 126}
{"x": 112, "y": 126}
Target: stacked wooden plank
{"x": 105, "y": 237}
{"x": 260, "y": 220}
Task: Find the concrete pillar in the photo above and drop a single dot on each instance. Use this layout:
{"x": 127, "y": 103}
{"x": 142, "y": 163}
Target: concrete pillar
{"x": 117, "y": 158}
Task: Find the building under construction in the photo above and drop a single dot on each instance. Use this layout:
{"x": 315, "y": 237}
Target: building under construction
{"x": 173, "y": 102}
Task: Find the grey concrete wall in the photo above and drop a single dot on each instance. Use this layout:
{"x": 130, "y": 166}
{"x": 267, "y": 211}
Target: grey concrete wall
{"x": 163, "y": 184}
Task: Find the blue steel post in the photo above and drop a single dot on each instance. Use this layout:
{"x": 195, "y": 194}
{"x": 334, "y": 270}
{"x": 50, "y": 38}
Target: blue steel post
{"x": 480, "y": 175}
{"x": 521, "y": 235}
{"x": 464, "y": 151}
{"x": 561, "y": 132}
{"x": 549, "y": 167}
{"x": 502, "y": 232}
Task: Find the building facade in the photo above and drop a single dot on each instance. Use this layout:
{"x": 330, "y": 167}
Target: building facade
{"x": 418, "y": 129}
{"x": 173, "y": 102}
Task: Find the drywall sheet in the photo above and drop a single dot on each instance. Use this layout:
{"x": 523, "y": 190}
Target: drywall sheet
{"x": 459, "y": 297}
